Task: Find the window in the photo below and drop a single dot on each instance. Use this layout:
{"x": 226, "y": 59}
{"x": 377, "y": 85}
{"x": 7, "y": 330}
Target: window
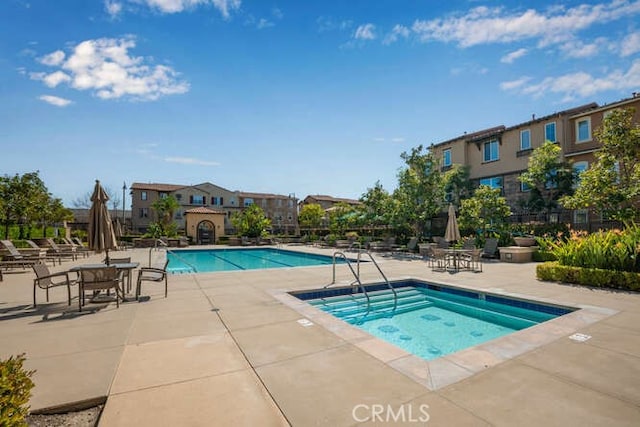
{"x": 178, "y": 215}
{"x": 279, "y": 203}
{"x": 493, "y": 182}
{"x": 491, "y": 151}
{"x": 143, "y": 195}
{"x": 144, "y": 213}
{"x": 214, "y": 201}
{"x": 178, "y": 196}
{"x": 550, "y": 132}
{"x": 552, "y": 182}
{"x": 580, "y": 216}
{"x": 525, "y": 139}
{"x": 578, "y": 168}
{"x": 264, "y": 203}
{"x": 446, "y": 157}
{"x": 248, "y": 201}
{"x": 524, "y": 187}
{"x": 197, "y": 199}
{"x": 221, "y": 201}
{"x": 163, "y": 195}
{"x": 583, "y": 130}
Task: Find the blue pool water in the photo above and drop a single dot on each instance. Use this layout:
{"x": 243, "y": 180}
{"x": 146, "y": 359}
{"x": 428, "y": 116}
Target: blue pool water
{"x": 431, "y": 321}
{"x": 200, "y": 261}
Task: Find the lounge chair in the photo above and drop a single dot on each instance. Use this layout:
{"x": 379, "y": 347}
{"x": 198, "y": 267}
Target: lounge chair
{"x": 409, "y": 247}
{"x": 79, "y": 249}
{"x": 17, "y": 258}
{"x": 68, "y": 251}
{"x": 45, "y": 280}
{"x": 152, "y": 274}
{"x": 490, "y": 248}
{"x": 95, "y": 279}
{"x": 51, "y": 252}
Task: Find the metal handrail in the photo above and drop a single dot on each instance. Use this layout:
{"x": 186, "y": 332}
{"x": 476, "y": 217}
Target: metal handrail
{"x": 395, "y": 294}
{"x": 356, "y": 275}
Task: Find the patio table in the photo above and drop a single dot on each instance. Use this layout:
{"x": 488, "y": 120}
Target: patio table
{"x": 119, "y": 267}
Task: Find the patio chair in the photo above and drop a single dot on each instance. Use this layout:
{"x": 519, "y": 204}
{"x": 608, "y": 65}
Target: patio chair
{"x": 152, "y": 274}
{"x": 124, "y": 274}
{"x": 439, "y": 260}
{"x": 441, "y": 242}
{"x": 46, "y": 280}
{"x": 469, "y": 243}
{"x": 472, "y": 261}
{"x": 51, "y": 252}
{"x": 97, "y": 279}
{"x": 490, "y": 248}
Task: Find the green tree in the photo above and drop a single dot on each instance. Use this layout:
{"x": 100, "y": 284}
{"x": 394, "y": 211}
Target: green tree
{"x": 457, "y": 185}
{"x": 612, "y": 184}
{"x": 165, "y": 208}
{"x": 251, "y": 222}
{"x": 53, "y": 211}
{"x": 485, "y": 210}
{"x": 420, "y": 193}
{"x": 376, "y": 206}
{"x": 548, "y": 177}
{"x": 22, "y": 197}
{"x": 311, "y": 215}
{"x": 342, "y": 216}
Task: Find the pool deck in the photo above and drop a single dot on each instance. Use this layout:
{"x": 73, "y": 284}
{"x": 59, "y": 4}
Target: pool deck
{"x": 231, "y": 349}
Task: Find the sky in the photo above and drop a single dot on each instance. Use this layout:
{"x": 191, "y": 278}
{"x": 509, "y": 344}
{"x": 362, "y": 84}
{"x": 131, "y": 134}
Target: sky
{"x": 287, "y": 96}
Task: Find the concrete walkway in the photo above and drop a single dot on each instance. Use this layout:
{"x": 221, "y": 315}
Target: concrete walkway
{"x": 227, "y": 349}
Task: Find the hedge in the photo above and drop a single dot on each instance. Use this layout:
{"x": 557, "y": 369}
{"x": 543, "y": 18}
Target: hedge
{"x": 15, "y": 390}
{"x": 596, "y": 277}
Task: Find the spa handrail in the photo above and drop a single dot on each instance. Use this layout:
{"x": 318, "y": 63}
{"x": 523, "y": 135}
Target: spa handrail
{"x": 356, "y": 275}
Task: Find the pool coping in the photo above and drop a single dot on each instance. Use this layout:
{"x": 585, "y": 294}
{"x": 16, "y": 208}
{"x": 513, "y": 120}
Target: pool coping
{"x": 443, "y": 371}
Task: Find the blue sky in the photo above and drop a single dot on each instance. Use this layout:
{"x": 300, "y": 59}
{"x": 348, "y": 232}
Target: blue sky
{"x": 287, "y": 96}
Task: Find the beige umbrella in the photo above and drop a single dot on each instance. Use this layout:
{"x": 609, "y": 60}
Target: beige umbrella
{"x": 452, "y": 232}
{"x": 117, "y": 228}
{"x": 101, "y": 235}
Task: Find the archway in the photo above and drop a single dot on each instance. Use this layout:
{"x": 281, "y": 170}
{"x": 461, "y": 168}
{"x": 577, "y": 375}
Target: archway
{"x": 206, "y": 233}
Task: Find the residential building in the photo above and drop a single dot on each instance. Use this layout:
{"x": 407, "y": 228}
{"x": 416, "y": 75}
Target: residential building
{"x": 499, "y": 155}
{"x": 281, "y": 209}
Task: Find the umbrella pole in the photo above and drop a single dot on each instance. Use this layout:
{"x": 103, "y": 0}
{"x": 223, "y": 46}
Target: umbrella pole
{"x": 107, "y": 255}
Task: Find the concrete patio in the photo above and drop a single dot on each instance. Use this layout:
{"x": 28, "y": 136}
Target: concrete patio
{"x": 228, "y": 349}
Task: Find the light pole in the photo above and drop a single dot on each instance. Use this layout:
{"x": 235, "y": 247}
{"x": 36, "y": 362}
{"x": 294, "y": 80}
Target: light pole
{"x": 124, "y": 188}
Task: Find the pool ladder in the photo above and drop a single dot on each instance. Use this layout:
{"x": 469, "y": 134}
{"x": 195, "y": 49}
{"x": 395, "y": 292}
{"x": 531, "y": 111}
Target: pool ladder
{"x": 356, "y": 274}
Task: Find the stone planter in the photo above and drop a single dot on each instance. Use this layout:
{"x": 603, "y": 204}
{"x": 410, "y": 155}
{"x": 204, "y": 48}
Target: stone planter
{"x": 525, "y": 241}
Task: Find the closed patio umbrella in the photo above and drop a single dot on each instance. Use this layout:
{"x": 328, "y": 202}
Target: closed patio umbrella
{"x": 452, "y": 232}
{"x": 101, "y": 235}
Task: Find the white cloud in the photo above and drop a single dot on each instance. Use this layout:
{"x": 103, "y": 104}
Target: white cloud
{"x": 512, "y": 56}
{"x": 326, "y": 23}
{"x": 55, "y": 78}
{"x": 365, "y": 32}
{"x": 55, "y": 100}
{"x": 580, "y": 84}
{"x": 397, "y": 32}
{"x": 190, "y": 161}
{"x": 225, "y": 7}
{"x": 52, "y": 59}
{"x": 105, "y": 66}
{"x": 483, "y": 25}
{"x": 397, "y": 139}
{"x": 630, "y": 44}
{"x": 579, "y": 49}
{"x": 514, "y": 84}
{"x": 113, "y": 8}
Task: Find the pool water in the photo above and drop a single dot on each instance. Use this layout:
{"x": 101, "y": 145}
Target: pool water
{"x": 432, "y": 321}
{"x": 210, "y": 260}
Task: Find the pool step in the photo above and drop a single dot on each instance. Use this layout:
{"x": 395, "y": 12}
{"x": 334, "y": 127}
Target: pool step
{"x": 351, "y": 299}
{"x": 357, "y": 317}
{"x": 376, "y": 305}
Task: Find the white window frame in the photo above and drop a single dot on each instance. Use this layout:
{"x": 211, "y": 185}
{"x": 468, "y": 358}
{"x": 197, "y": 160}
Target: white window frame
{"x": 555, "y": 135}
{"x": 144, "y": 195}
{"x": 589, "y": 137}
{"x": 446, "y": 157}
{"x": 578, "y": 168}
{"x": 484, "y": 151}
{"x": 522, "y": 140}
{"x": 248, "y": 201}
{"x": 579, "y": 214}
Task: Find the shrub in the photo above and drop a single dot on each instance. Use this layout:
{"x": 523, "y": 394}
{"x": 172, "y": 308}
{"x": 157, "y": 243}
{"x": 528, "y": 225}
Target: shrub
{"x": 553, "y": 271}
{"x": 543, "y": 256}
{"x": 15, "y": 390}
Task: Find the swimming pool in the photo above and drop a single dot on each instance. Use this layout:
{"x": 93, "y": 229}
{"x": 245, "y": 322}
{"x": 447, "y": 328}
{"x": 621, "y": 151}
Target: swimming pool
{"x": 210, "y": 260}
{"x": 431, "y": 320}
